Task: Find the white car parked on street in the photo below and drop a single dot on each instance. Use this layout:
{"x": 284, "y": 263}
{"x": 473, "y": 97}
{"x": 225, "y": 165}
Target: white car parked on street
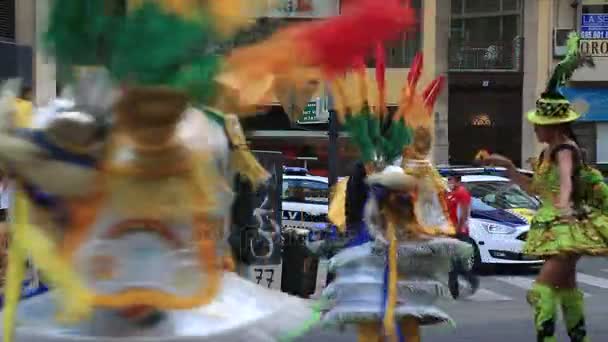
{"x": 500, "y": 219}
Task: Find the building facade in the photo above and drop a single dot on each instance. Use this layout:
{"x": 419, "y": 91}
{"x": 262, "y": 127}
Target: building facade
{"x": 305, "y": 141}
{"x": 22, "y": 23}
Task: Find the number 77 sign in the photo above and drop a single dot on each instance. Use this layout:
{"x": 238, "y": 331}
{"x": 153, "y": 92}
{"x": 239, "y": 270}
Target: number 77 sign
{"x": 268, "y": 276}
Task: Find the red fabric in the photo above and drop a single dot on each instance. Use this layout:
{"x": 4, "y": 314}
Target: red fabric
{"x": 460, "y": 196}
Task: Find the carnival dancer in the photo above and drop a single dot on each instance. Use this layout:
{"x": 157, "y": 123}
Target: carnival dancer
{"x": 136, "y": 180}
{"x": 388, "y": 287}
{"x": 136, "y": 176}
{"x": 572, "y": 219}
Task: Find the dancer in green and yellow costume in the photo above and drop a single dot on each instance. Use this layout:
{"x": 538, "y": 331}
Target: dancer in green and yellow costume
{"x": 571, "y": 221}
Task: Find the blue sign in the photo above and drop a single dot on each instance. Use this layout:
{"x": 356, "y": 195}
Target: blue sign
{"x": 594, "y": 26}
{"x": 595, "y": 98}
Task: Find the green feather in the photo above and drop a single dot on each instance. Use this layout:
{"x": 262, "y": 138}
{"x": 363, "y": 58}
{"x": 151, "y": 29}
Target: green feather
{"x": 358, "y": 127}
{"x": 76, "y": 30}
{"x": 148, "y": 46}
{"x": 573, "y": 60}
{"x": 398, "y": 137}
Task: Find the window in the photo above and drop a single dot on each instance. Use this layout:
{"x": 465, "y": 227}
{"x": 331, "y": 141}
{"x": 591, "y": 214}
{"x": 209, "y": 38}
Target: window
{"x": 7, "y": 20}
{"x": 481, "y": 6}
{"x": 305, "y": 191}
{"x": 501, "y": 195}
{"x": 401, "y": 53}
{"x": 485, "y": 34}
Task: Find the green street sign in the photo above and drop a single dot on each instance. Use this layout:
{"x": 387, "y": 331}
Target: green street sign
{"x": 311, "y": 113}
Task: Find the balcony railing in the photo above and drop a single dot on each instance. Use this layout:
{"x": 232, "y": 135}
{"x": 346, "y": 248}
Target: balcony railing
{"x": 491, "y": 56}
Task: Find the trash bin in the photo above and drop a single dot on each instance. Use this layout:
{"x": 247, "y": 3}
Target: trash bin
{"x": 299, "y": 264}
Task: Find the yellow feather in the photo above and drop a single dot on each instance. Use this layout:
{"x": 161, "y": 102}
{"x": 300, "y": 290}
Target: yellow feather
{"x": 337, "y": 206}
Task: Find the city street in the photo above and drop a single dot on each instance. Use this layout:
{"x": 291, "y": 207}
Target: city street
{"x": 498, "y": 312}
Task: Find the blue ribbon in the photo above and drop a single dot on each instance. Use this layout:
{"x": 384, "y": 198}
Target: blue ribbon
{"x": 56, "y": 152}
{"x": 380, "y": 192}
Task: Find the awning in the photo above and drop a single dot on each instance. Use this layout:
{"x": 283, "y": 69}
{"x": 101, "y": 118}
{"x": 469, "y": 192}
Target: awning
{"x": 595, "y": 99}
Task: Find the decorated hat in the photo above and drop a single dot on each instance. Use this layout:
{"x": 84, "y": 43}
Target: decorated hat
{"x": 552, "y": 107}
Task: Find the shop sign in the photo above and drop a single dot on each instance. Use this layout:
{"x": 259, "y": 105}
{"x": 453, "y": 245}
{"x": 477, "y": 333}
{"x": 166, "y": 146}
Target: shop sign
{"x": 594, "y": 26}
{"x": 594, "y": 47}
{"x": 312, "y": 113}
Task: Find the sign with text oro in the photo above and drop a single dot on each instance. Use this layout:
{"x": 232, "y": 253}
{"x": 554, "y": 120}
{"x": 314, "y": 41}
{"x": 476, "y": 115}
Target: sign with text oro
{"x": 594, "y": 47}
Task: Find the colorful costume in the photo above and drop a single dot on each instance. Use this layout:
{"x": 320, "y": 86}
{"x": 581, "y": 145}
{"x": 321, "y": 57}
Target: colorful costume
{"x": 388, "y": 287}
{"x": 134, "y": 186}
{"x": 580, "y": 230}
{"x": 132, "y": 193}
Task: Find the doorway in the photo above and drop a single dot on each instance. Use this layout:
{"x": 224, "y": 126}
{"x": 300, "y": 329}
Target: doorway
{"x": 487, "y": 119}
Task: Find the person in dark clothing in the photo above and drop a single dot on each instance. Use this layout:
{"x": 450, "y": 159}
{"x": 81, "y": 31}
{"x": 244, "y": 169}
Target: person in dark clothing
{"x": 356, "y": 196}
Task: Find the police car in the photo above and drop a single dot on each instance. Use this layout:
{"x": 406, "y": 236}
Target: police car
{"x": 500, "y": 220}
{"x": 305, "y": 200}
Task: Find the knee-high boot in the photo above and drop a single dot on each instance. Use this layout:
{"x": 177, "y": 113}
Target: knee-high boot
{"x": 573, "y": 309}
{"x": 543, "y": 300}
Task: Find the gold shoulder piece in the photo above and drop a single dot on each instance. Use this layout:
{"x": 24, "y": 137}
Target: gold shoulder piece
{"x": 242, "y": 160}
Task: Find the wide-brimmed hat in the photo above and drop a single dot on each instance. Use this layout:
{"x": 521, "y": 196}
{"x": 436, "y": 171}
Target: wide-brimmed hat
{"x": 553, "y": 108}
{"x": 552, "y": 111}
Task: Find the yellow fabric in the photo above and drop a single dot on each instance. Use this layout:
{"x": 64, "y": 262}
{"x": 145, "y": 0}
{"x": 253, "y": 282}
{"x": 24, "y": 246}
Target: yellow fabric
{"x": 391, "y": 301}
{"x": 337, "y": 206}
{"x": 24, "y": 113}
{"x": 15, "y": 274}
{"x": 27, "y": 239}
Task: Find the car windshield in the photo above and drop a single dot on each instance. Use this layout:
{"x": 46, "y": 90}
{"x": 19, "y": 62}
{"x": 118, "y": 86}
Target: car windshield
{"x": 502, "y": 195}
{"x": 305, "y": 191}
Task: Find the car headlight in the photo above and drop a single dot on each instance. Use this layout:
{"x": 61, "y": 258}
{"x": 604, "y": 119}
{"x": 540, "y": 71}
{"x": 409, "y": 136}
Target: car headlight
{"x": 494, "y": 228}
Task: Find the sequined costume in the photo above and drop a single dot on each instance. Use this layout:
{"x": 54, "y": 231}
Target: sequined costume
{"x": 390, "y": 285}
{"x": 579, "y": 229}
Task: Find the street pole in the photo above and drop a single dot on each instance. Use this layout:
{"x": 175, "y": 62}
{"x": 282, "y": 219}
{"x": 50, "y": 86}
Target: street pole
{"x": 333, "y": 140}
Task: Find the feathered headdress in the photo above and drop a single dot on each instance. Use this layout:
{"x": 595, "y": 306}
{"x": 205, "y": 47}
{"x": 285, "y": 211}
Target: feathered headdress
{"x": 552, "y": 107}
{"x": 311, "y": 51}
{"x": 416, "y": 108}
{"x": 156, "y": 43}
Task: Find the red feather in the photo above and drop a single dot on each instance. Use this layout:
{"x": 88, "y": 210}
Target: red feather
{"x": 415, "y": 70}
{"x": 380, "y": 66}
{"x": 359, "y": 64}
{"x": 433, "y": 90}
{"x": 336, "y": 43}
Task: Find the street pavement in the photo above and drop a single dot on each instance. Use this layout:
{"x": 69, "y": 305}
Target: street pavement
{"x": 498, "y": 312}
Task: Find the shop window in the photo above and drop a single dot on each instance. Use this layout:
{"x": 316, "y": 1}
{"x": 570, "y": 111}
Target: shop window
{"x": 481, "y": 6}
{"x": 401, "y": 53}
{"x": 7, "y": 20}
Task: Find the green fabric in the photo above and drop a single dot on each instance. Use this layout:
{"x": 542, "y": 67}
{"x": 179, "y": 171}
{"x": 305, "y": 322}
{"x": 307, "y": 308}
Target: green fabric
{"x": 214, "y": 115}
{"x": 573, "y": 310}
{"x": 544, "y": 300}
{"x": 549, "y": 234}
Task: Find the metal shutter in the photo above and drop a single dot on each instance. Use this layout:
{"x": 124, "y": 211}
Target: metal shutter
{"x": 7, "y": 19}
